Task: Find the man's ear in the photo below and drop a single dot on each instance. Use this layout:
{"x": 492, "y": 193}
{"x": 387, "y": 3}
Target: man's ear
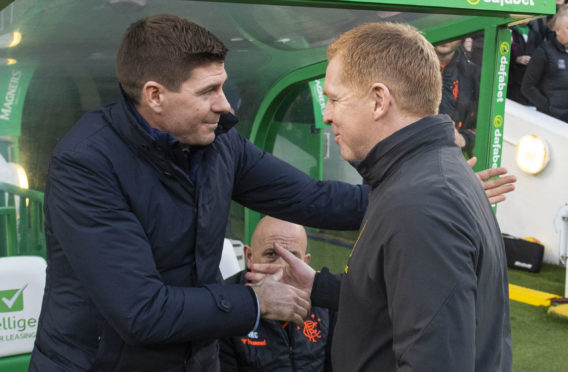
{"x": 381, "y": 98}
{"x": 307, "y": 257}
{"x": 153, "y": 96}
{"x": 248, "y": 254}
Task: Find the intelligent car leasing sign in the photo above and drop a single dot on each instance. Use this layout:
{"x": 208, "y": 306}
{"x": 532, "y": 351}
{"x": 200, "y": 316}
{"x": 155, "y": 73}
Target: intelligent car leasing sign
{"x": 22, "y": 281}
{"x": 507, "y": 6}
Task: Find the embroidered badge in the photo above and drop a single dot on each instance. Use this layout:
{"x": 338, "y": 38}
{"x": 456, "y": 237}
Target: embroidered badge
{"x": 310, "y": 330}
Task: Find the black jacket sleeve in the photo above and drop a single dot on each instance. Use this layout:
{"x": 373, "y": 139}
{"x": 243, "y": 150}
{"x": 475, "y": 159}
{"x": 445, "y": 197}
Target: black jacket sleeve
{"x": 533, "y": 75}
{"x": 227, "y": 355}
{"x": 325, "y": 290}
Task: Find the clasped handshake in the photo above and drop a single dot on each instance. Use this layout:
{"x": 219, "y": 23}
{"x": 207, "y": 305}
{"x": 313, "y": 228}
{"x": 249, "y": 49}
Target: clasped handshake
{"x": 283, "y": 291}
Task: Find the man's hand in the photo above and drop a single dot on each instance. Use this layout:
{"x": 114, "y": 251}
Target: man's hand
{"x": 296, "y": 272}
{"x": 494, "y": 188}
{"x": 280, "y": 301}
{"x": 523, "y": 60}
{"x": 460, "y": 140}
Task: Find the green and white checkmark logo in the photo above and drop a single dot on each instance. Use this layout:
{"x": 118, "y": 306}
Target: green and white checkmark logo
{"x": 12, "y": 300}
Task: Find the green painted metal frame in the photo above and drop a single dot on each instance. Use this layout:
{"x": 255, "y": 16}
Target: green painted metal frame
{"x": 263, "y": 129}
{"x": 5, "y": 3}
{"x": 464, "y": 7}
{"x": 488, "y": 113}
{"x": 21, "y": 221}
{"x": 16, "y": 363}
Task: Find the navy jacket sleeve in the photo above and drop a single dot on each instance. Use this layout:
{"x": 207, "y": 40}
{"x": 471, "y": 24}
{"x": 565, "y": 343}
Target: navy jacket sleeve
{"x": 111, "y": 256}
{"x": 269, "y": 185}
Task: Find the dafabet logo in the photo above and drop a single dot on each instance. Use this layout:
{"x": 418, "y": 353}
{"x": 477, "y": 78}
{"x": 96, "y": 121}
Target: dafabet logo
{"x": 504, "y": 47}
{"x": 498, "y": 121}
{"x": 502, "y": 3}
{"x": 12, "y": 300}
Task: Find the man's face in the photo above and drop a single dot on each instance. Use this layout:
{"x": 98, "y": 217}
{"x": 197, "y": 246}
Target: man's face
{"x": 347, "y": 113}
{"x": 192, "y": 113}
{"x": 289, "y": 236}
{"x": 561, "y": 30}
{"x": 447, "y": 48}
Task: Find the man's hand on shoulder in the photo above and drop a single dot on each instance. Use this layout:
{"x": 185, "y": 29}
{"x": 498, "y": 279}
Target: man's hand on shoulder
{"x": 495, "y": 188}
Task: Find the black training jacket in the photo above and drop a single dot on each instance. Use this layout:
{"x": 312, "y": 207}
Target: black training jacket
{"x": 425, "y": 288}
{"x": 280, "y": 347}
{"x": 545, "y": 83}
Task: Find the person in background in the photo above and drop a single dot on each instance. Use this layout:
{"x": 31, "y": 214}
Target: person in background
{"x": 549, "y": 34}
{"x": 277, "y": 345}
{"x": 545, "y": 83}
{"x": 460, "y": 91}
{"x": 526, "y": 38}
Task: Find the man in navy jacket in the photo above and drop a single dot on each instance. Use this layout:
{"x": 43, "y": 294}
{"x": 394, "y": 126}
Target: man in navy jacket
{"x": 137, "y": 201}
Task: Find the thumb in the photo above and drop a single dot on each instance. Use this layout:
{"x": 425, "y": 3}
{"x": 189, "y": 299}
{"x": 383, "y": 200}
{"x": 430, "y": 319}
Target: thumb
{"x": 471, "y": 161}
{"x": 278, "y": 275}
{"x": 286, "y": 255}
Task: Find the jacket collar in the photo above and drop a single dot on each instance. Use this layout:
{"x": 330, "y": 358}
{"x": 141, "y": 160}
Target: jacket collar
{"x": 390, "y": 153}
{"x": 561, "y": 48}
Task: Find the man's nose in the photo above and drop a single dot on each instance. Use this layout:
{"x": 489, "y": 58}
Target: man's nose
{"x": 327, "y": 118}
{"x": 221, "y": 104}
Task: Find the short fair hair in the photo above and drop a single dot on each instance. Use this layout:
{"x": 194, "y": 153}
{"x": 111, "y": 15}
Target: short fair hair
{"x": 164, "y": 48}
{"x": 397, "y": 55}
{"x": 561, "y": 12}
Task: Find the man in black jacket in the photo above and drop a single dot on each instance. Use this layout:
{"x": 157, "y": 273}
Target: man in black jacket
{"x": 545, "y": 83}
{"x": 425, "y": 287}
{"x": 277, "y": 345}
{"x": 526, "y": 38}
{"x": 460, "y": 91}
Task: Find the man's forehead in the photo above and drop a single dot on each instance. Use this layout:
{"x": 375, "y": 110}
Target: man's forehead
{"x": 211, "y": 73}
{"x": 332, "y": 77}
{"x": 292, "y": 244}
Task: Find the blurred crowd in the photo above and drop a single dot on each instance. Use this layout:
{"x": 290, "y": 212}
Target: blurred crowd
{"x": 538, "y": 74}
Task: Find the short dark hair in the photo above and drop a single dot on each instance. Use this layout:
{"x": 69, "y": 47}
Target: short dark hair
{"x": 164, "y": 48}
